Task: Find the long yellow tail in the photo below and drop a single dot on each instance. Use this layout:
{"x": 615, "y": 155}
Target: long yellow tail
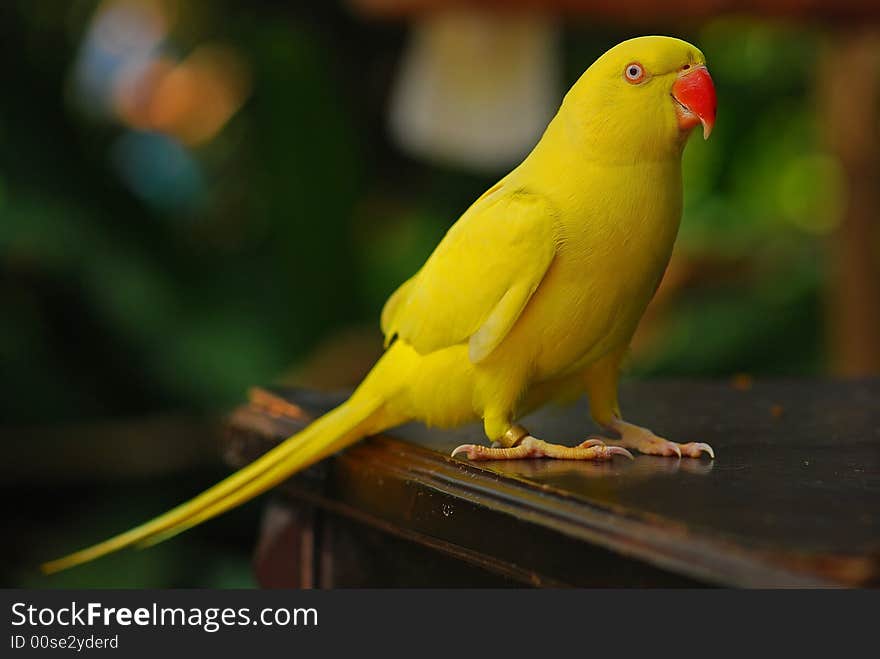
{"x": 354, "y": 419}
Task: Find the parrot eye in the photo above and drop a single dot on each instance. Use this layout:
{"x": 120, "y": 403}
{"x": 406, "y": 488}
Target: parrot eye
{"x": 634, "y": 73}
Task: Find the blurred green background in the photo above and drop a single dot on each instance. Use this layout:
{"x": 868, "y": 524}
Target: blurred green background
{"x": 197, "y": 197}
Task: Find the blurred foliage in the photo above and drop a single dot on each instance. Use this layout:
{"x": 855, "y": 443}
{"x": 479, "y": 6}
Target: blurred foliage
{"x": 306, "y": 217}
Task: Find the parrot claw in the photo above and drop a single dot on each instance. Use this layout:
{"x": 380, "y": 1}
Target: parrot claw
{"x": 531, "y": 447}
{"x": 619, "y": 450}
{"x": 470, "y": 449}
{"x": 696, "y": 449}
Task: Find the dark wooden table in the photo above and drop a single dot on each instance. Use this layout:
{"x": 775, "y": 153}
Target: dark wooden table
{"x": 793, "y": 498}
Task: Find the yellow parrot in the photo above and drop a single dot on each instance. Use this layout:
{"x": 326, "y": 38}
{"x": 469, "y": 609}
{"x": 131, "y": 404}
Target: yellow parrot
{"x": 533, "y": 295}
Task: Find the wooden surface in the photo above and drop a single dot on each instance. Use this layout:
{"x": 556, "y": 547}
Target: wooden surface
{"x": 792, "y": 499}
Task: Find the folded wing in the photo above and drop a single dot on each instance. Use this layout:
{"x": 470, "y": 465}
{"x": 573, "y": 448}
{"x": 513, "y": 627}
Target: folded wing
{"x": 475, "y": 285}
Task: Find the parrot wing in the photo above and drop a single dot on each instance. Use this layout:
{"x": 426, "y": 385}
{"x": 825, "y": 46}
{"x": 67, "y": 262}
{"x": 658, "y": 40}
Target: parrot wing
{"x": 477, "y": 282}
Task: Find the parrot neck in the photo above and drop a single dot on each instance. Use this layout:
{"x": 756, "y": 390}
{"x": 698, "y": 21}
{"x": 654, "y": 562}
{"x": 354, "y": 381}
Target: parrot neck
{"x": 608, "y": 138}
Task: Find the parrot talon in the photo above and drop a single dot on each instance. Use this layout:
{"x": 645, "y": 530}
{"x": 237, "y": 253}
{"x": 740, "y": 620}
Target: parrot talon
{"x": 470, "y": 449}
{"x": 696, "y": 449}
{"x": 619, "y": 450}
{"x": 612, "y": 449}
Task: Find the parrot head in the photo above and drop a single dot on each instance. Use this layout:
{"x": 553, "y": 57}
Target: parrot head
{"x": 643, "y": 97}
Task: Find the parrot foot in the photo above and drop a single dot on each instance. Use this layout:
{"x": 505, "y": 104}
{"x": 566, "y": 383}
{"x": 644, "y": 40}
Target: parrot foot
{"x": 645, "y": 441}
{"x": 532, "y": 447}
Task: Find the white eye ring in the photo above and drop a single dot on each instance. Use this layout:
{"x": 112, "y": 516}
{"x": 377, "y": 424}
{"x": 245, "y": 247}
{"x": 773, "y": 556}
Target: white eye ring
{"x": 634, "y": 73}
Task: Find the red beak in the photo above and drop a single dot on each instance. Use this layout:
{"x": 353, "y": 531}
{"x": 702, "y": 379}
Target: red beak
{"x": 695, "y": 99}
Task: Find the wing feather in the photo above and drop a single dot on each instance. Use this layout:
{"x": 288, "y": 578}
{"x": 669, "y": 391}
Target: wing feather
{"x": 477, "y": 282}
